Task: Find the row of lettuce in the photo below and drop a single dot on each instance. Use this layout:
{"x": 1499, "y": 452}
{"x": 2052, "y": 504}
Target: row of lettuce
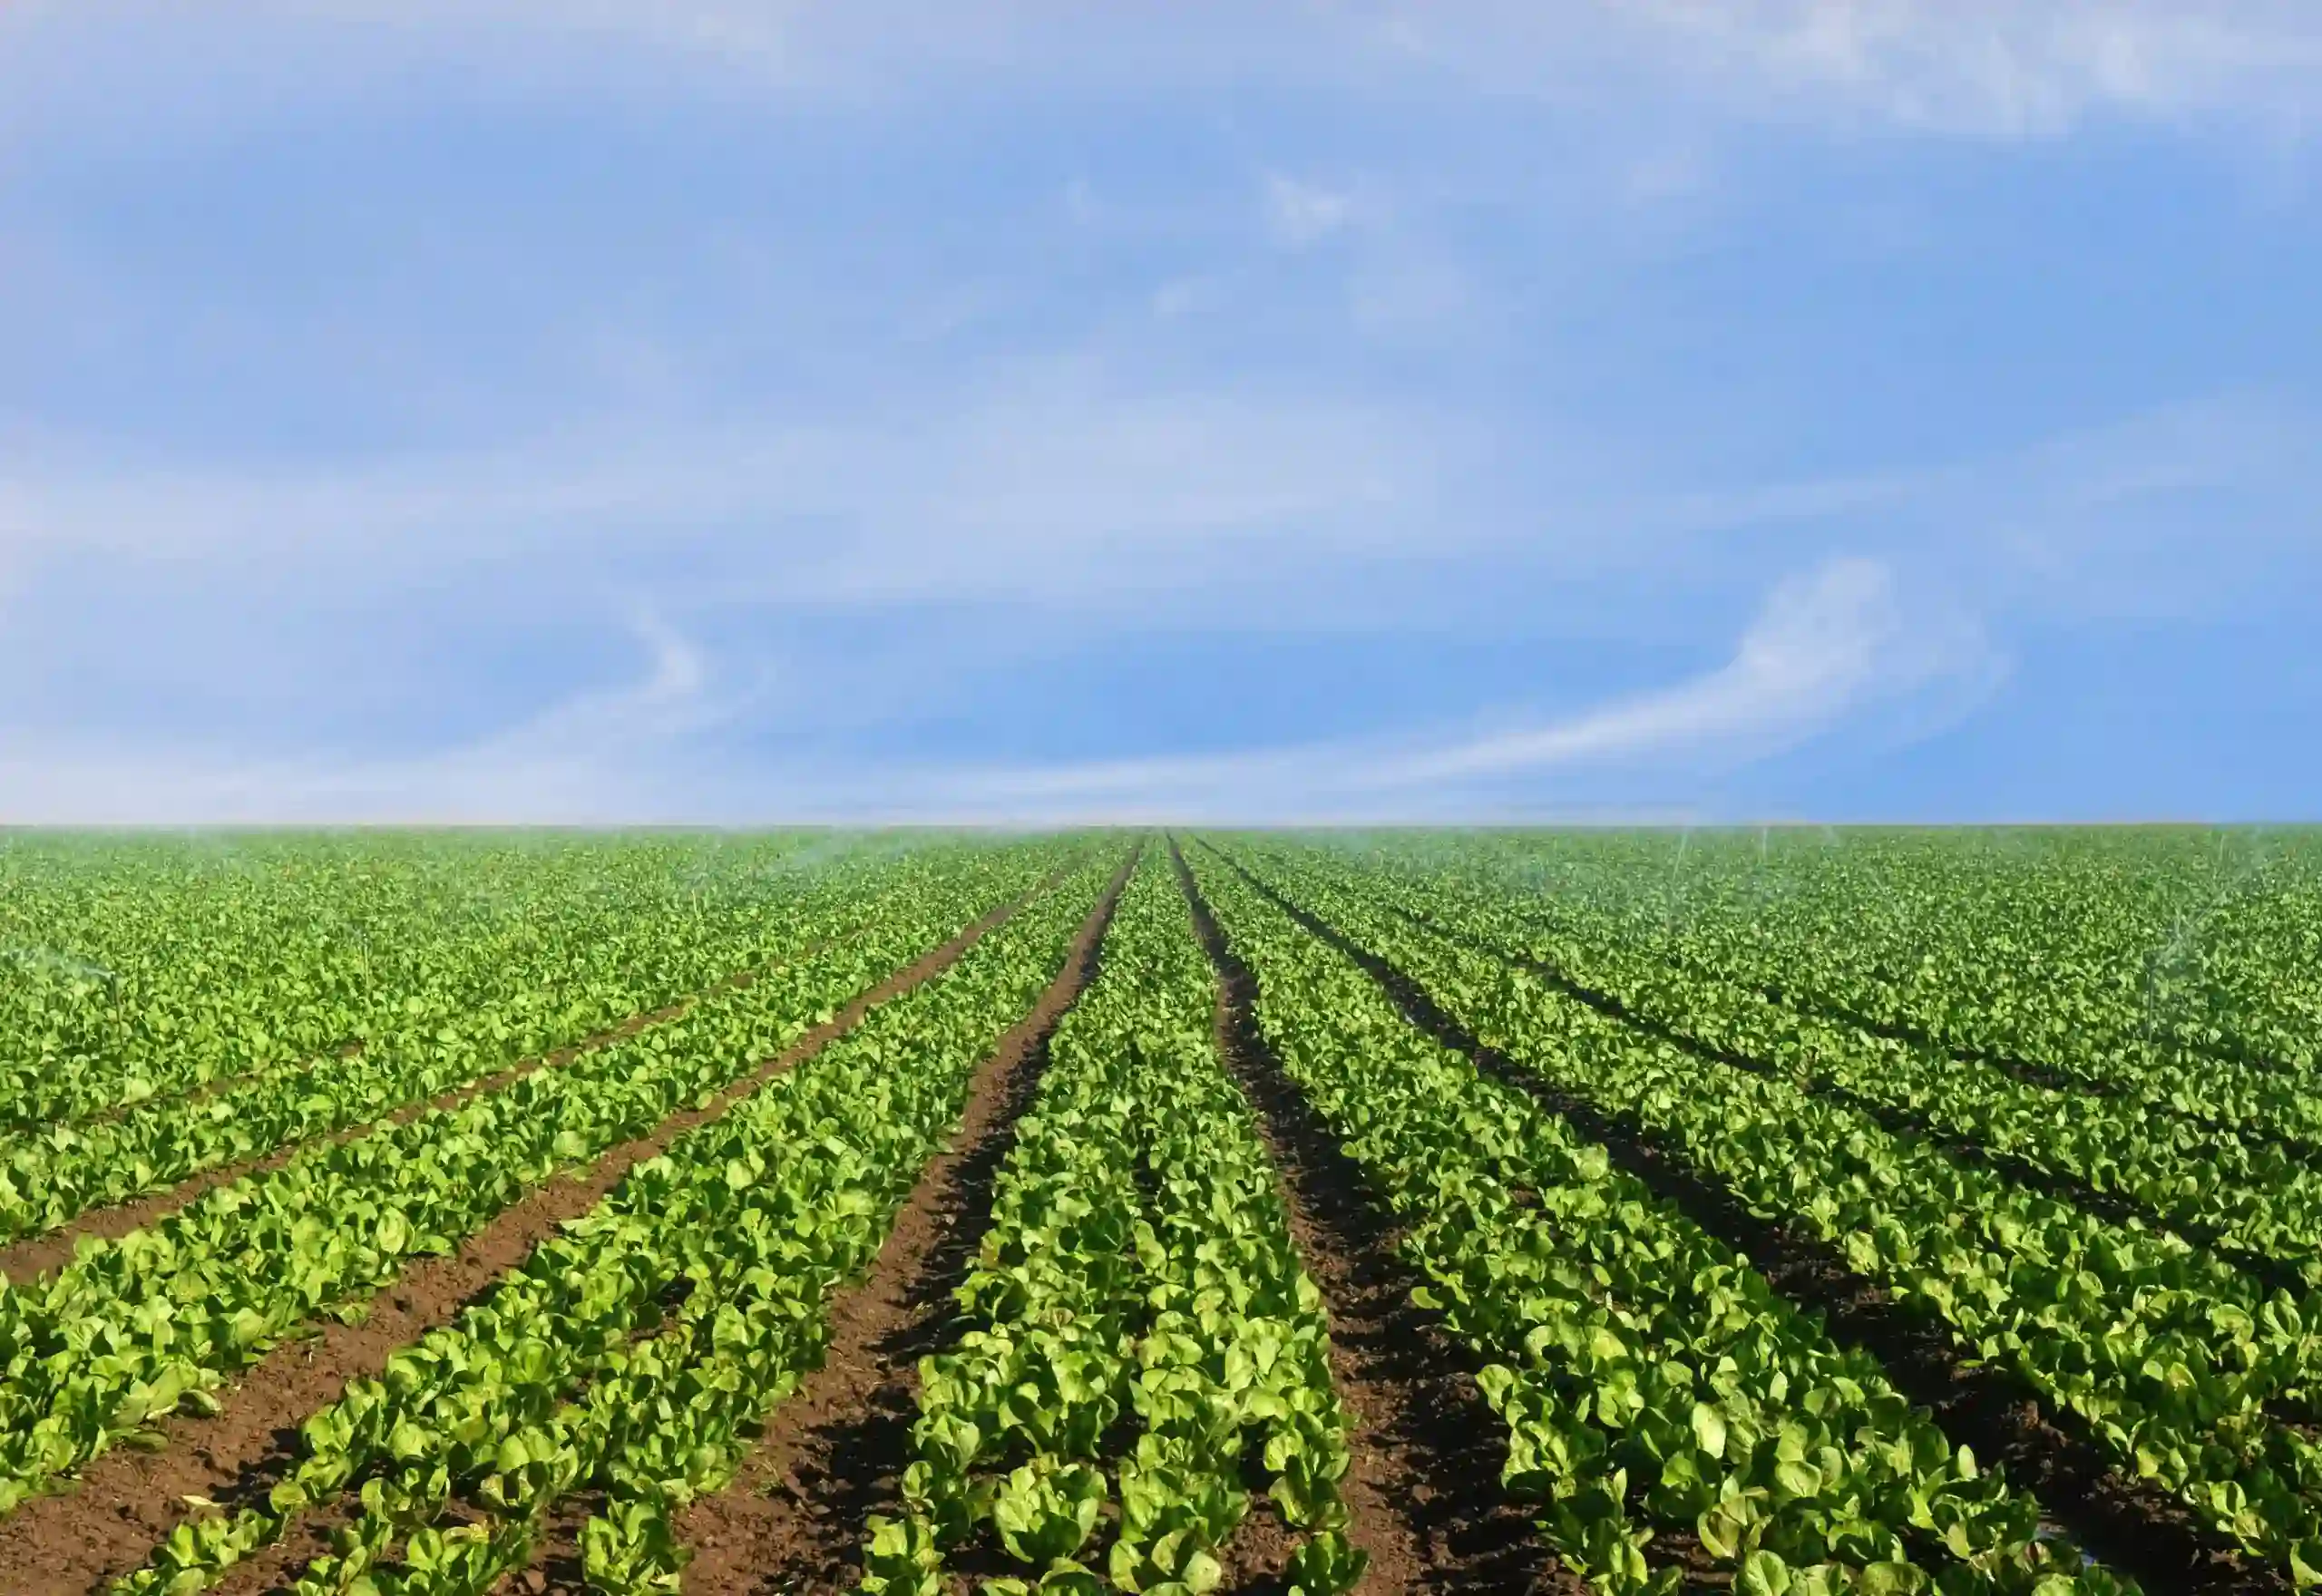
{"x": 592, "y": 960}
{"x": 2158, "y": 946}
{"x": 2181, "y": 1362}
{"x": 1142, "y": 1359}
{"x": 2218, "y": 1151}
{"x": 634, "y": 1354}
{"x": 1141, "y": 1364}
{"x": 1667, "y": 1413}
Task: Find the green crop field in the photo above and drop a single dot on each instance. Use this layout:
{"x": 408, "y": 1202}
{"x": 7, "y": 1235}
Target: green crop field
{"x": 1781, "y": 1212}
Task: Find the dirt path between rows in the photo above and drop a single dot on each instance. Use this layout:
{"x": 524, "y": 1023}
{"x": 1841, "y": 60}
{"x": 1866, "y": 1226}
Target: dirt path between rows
{"x": 33, "y": 1256}
{"x": 1422, "y": 1487}
{"x": 2132, "y": 1525}
{"x": 792, "y": 1518}
{"x": 128, "y": 1500}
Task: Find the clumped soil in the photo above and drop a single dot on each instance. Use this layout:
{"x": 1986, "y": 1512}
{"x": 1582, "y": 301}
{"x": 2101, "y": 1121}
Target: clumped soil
{"x": 1426, "y": 1451}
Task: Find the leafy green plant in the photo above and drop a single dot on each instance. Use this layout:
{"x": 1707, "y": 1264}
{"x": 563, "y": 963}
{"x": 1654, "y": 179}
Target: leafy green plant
{"x": 1139, "y": 1275}
{"x": 1650, "y": 1379}
{"x": 633, "y": 1351}
{"x": 132, "y": 1329}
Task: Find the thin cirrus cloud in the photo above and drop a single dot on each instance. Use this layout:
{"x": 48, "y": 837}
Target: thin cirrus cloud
{"x": 1073, "y": 494}
{"x": 1042, "y": 488}
{"x": 1825, "y": 643}
{"x": 1264, "y": 359}
{"x": 1853, "y": 638}
{"x": 1983, "y": 68}
{"x": 599, "y": 757}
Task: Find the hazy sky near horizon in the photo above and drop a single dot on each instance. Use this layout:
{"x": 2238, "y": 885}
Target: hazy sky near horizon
{"x": 705, "y": 410}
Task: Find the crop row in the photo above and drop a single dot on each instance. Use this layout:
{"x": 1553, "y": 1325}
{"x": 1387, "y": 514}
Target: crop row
{"x": 2251, "y": 1197}
{"x": 2154, "y": 956}
{"x": 1665, "y": 1409}
{"x": 1144, "y": 1358}
{"x": 132, "y": 1329}
{"x": 50, "y": 1176}
{"x": 633, "y": 1353}
{"x": 2175, "y": 1364}
{"x": 2269, "y": 1115}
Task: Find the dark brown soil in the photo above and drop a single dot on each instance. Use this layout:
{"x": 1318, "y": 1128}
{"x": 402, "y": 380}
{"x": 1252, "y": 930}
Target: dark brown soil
{"x": 2132, "y": 1525}
{"x": 792, "y": 1518}
{"x": 1423, "y": 1486}
{"x": 127, "y": 1499}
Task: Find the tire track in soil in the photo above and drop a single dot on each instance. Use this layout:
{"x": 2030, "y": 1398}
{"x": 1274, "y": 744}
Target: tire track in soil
{"x": 31, "y": 1257}
{"x": 2135, "y": 1527}
{"x": 126, "y": 1501}
{"x": 1422, "y": 1487}
{"x": 833, "y": 1452}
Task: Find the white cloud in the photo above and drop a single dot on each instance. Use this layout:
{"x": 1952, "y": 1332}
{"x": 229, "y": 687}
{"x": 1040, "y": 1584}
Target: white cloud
{"x": 1045, "y": 487}
{"x": 606, "y": 757}
{"x": 1977, "y": 67}
{"x": 1827, "y": 645}
{"x": 1123, "y": 534}
{"x": 1299, "y": 213}
{"x": 1981, "y": 68}
{"x": 2008, "y": 67}
{"x": 1822, "y": 642}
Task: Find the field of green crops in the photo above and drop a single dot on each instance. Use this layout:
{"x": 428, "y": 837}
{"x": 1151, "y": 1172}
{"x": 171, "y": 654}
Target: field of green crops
{"x": 1776, "y": 1211}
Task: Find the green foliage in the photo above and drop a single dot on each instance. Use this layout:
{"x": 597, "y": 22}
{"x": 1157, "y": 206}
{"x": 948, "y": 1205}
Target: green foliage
{"x": 132, "y": 1328}
{"x": 1138, "y": 1279}
{"x": 1650, "y": 1380}
{"x": 2182, "y": 1364}
{"x": 634, "y": 1351}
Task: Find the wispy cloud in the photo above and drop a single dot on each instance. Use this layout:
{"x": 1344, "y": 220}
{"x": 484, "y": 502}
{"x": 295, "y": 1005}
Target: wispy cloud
{"x": 1824, "y": 641}
{"x": 603, "y": 757}
{"x": 2004, "y": 67}
{"x": 1858, "y": 642}
{"x": 1043, "y": 487}
{"x": 2008, "y": 68}
{"x": 1302, "y": 213}
{"x": 1432, "y": 337}
{"x": 1826, "y": 644}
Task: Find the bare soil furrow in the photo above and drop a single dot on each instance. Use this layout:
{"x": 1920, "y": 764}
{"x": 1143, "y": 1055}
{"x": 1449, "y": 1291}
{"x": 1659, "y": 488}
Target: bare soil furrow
{"x": 2133, "y": 1526}
{"x": 1422, "y": 1488}
{"x": 128, "y": 1499}
{"x": 792, "y": 1519}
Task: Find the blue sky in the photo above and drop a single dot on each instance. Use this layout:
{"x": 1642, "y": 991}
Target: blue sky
{"x": 731, "y": 412}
